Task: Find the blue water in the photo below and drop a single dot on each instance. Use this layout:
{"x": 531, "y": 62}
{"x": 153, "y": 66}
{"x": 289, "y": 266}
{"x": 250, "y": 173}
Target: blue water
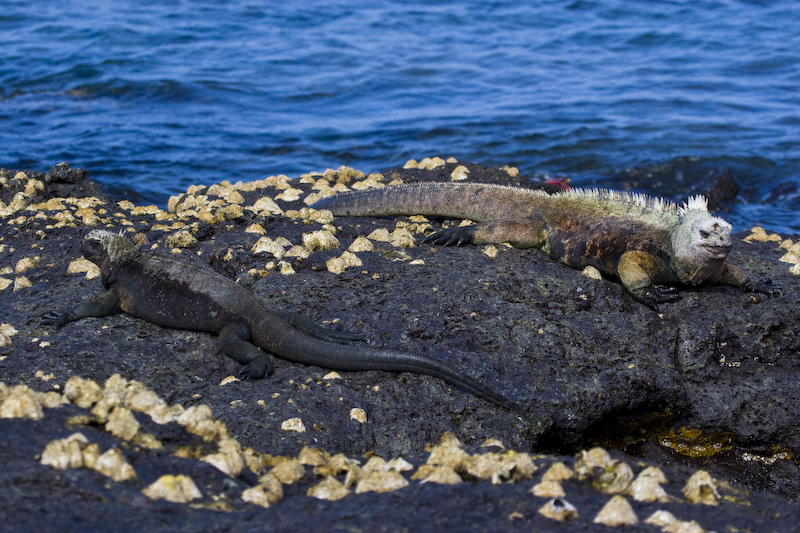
{"x": 157, "y": 95}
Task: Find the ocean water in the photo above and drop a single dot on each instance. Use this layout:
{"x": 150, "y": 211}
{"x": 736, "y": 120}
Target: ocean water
{"x": 152, "y": 96}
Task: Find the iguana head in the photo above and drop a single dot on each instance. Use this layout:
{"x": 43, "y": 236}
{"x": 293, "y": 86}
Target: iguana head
{"x": 700, "y": 242}
{"x": 102, "y": 244}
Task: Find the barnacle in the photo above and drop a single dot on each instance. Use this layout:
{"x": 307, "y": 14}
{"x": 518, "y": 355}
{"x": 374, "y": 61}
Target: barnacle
{"x": 617, "y": 512}
{"x": 176, "y": 489}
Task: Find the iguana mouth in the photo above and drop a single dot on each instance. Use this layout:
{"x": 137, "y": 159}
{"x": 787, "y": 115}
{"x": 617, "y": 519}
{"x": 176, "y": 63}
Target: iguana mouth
{"x": 717, "y": 251}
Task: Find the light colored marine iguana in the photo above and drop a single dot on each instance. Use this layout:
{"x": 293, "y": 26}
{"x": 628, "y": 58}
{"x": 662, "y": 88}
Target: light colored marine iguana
{"x": 177, "y": 295}
{"x": 648, "y": 243}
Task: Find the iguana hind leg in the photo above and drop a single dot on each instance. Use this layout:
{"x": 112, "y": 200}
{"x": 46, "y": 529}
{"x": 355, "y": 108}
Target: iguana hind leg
{"x": 235, "y": 339}
{"x": 309, "y": 327}
{"x": 520, "y": 233}
{"x": 452, "y": 236}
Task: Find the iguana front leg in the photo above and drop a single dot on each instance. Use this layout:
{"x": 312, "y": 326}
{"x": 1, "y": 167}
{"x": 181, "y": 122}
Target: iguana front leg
{"x": 520, "y": 233}
{"x": 100, "y": 305}
{"x": 735, "y": 277}
{"x": 309, "y": 327}
{"x": 234, "y": 339}
{"x": 637, "y": 270}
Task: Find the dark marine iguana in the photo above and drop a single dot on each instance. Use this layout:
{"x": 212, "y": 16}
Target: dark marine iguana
{"x": 177, "y": 295}
{"x": 648, "y": 243}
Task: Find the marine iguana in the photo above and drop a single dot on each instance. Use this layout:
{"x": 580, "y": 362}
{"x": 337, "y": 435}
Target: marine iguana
{"x": 649, "y": 244}
{"x": 177, "y": 295}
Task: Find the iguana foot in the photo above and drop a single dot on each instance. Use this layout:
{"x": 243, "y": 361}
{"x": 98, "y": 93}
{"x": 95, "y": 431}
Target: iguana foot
{"x": 656, "y": 294}
{"x": 306, "y": 325}
{"x": 54, "y": 318}
{"x": 257, "y": 368}
{"x": 763, "y": 286}
{"x": 340, "y": 336}
{"x": 452, "y": 236}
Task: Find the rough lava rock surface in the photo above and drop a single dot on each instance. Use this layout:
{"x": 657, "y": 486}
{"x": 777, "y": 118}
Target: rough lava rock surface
{"x": 584, "y": 361}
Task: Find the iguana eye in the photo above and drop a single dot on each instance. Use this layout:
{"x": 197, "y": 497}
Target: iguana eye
{"x": 705, "y": 234}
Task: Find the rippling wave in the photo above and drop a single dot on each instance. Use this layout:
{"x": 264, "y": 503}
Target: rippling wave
{"x": 153, "y": 97}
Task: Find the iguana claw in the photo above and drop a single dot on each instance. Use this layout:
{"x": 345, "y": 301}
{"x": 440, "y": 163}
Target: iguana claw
{"x": 763, "y": 286}
{"x": 657, "y": 294}
{"x": 340, "y": 336}
{"x": 257, "y": 368}
{"x": 54, "y": 318}
{"x": 451, "y": 236}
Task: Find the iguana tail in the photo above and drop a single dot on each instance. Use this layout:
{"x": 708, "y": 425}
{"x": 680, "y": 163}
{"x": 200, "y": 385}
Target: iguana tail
{"x": 473, "y": 201}
{"x": 294, "y": 345}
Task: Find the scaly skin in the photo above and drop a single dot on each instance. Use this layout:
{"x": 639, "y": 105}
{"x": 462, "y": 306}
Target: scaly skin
{"x": 176, "y": 295}
{"x": 649, "y": 244}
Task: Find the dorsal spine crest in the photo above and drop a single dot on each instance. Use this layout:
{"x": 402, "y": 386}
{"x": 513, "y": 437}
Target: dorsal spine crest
{"x": 697, "y": 202}
{"x": 115, "y": 244}
{"x": 635, "y": 199}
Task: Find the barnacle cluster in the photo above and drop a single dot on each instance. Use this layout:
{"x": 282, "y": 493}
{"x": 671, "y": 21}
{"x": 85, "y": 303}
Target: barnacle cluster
{"x": 616, "y": 478}
{"x": 200, "y": 205}
{"x": 792, "y": 254}
{"x": 117, "y": 403}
